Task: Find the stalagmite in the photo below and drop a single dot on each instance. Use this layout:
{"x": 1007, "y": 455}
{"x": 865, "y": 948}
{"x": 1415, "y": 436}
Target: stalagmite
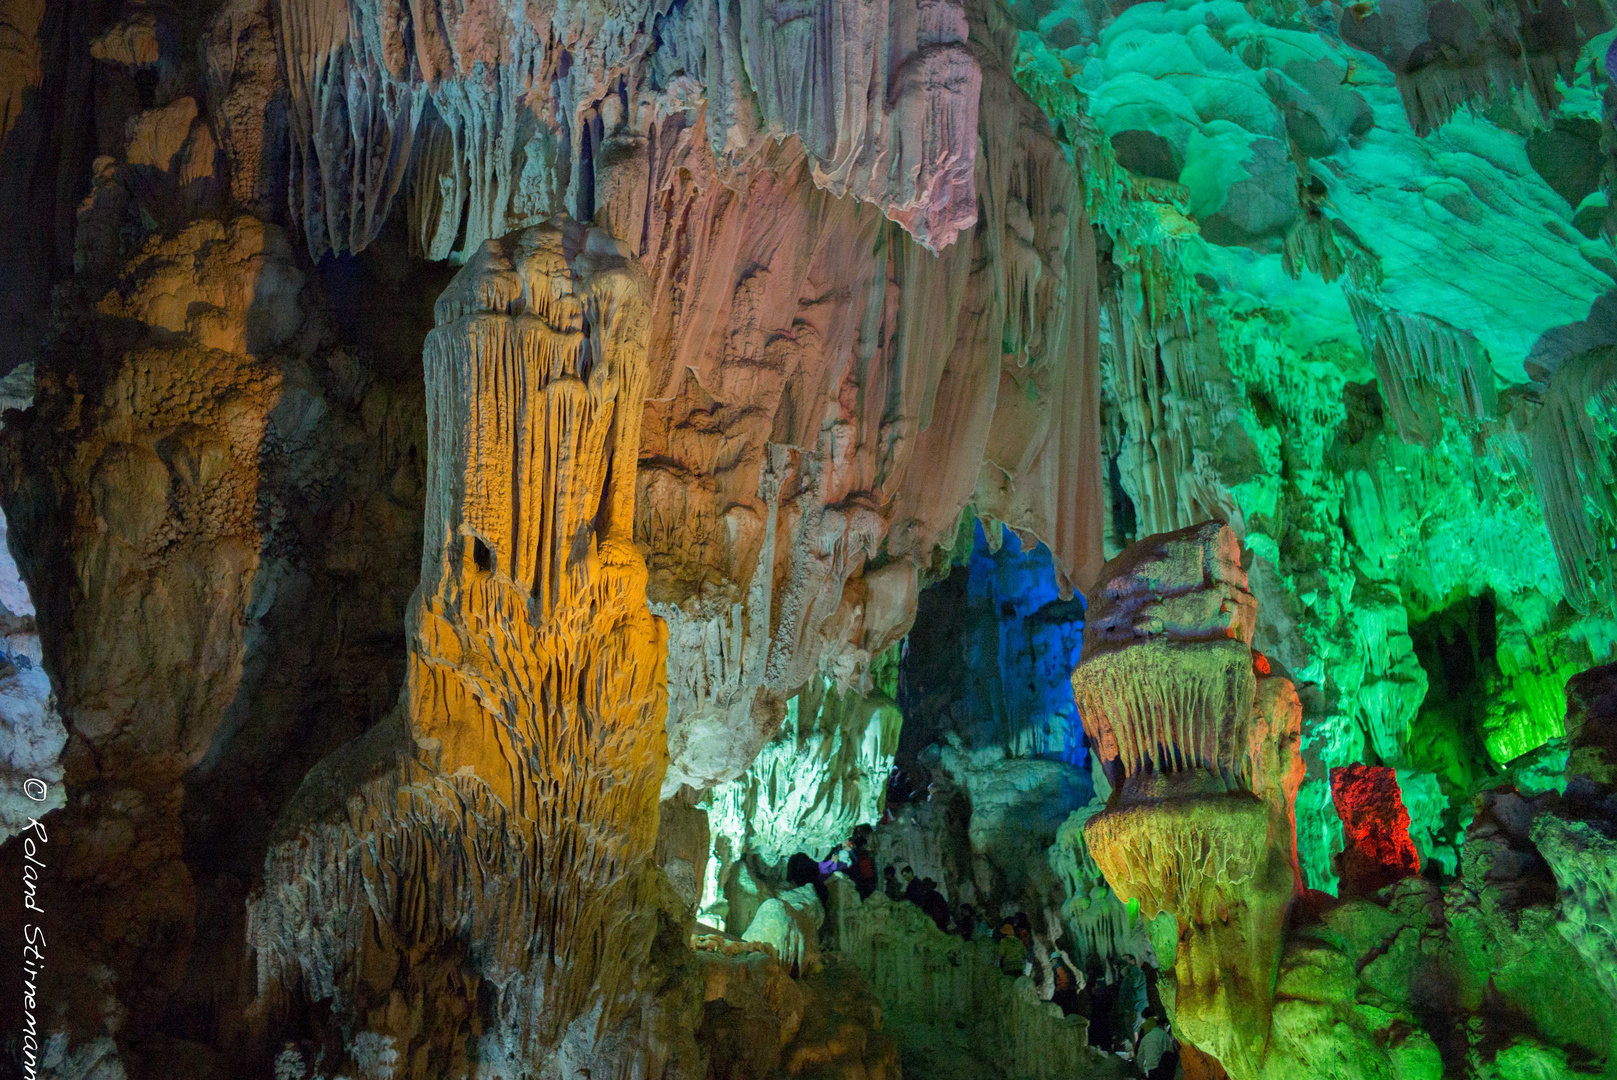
{"x": 1201, "y": 741}
{"x": 498, "y": 829}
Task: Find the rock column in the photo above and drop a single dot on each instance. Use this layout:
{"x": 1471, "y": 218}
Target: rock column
{"x": 460, "y": 884}
{"x": 1201, "y": 741}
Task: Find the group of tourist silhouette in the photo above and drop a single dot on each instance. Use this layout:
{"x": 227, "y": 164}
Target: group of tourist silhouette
{"x": 1123, "y": 1016}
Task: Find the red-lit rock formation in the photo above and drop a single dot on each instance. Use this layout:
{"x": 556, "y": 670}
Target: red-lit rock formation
{"x": 1379, "y": 850}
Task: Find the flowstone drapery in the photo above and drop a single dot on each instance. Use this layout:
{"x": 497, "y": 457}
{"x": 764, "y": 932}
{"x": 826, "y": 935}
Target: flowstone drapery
{"x": 489, "y": 114}
{"x": 1201, "y": 741}
{"x": 492, "y": 840}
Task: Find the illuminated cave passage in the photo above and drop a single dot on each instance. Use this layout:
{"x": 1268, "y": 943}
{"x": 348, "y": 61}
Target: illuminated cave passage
{"x": 751, "y": 539}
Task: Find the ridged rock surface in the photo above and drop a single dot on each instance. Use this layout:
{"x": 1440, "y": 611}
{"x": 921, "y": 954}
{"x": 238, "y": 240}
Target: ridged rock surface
{"x": 1201, "y": 739}
{"x": 527, "y": 747}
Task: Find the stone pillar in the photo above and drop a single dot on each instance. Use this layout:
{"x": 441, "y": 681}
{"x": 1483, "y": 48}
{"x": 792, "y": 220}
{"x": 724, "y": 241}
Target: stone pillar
{"x": 1200, "y": 740}
{"x": 473, "y": 873}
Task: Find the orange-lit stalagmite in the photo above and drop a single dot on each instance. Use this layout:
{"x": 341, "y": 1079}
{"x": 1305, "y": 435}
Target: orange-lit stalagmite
{"x": 464, "y": 883}
{"x": 1201, "y": 741}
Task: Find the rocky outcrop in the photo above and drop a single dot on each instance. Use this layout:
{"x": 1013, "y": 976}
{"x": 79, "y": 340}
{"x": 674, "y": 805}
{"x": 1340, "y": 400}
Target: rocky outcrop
{"x": 954, "y": 1012}
{"x": 1591, "y": 724}
{"x": 1574, "y": 445}
{"x": 132, "y": 494}
{"x": 758, "y": 1021}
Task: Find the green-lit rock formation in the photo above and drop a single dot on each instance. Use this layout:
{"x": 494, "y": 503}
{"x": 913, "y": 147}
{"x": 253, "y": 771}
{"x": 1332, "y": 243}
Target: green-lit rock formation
{"x": 1356, "y": 311}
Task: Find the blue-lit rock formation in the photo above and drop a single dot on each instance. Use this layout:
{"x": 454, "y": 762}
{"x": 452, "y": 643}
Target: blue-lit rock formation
{"x": 991, "y": 655}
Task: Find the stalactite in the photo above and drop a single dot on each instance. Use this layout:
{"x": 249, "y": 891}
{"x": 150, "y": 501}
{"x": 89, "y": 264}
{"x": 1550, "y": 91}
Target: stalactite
{"x": 814, "y": 77}
{"x": 1167, "y": 409}
{"x": 743, "y": 263}
{"x": 1490, "y": 53}
{"x": 824, "y": 772}
{"x": 1575, "y": 469}
{"x": 1422, "y": 364}
{"x": 1100, "y": 925}
{"x": 355, "y": 107}
{"x": 1315, "y": 243}
{"x": 525, "y": 107}
{"x": 1172, "y": 705}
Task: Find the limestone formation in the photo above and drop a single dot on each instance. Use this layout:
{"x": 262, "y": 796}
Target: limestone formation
{"x": 132, "y": 489}
{"x": 526, "y": 745}
{"x": 956, "y": 1013}
{"x": 884, "y": 101}
{"x": 1575, "y": 444}
{"x": 759, "y": 1021}
{"x": 744, "y": 478}
{"x": 1099, "y": 923}
{"x": 1591, "y": 724}
{"x": 788, "y": 540}
{"x": 1371, "y": 806}
{"x": 823, "y": 774}
{"x": 1446, "y": 58}
{"x": 1206, "y": 769}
